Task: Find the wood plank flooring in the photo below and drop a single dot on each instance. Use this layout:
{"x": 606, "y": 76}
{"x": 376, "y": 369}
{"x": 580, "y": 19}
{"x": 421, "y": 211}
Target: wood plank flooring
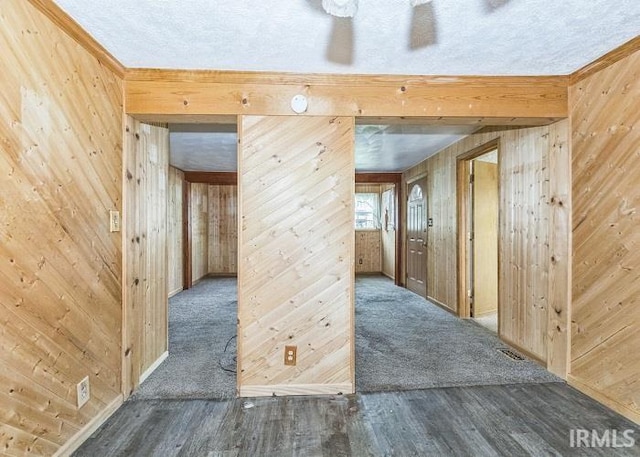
{"x": 499, "y": 420}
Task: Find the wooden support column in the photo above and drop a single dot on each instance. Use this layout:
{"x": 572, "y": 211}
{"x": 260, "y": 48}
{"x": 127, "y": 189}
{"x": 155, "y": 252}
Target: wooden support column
{"x": 296, "y": 255}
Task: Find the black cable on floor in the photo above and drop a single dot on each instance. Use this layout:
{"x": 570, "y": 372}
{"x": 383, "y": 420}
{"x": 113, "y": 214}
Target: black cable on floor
{"x": 235, "y": 359}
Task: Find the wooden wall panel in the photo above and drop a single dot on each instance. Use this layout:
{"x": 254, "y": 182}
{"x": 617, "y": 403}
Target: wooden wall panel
{"x": 174, "y": 232}
{"x": 605, "y": 342}
{"x": 60, "y": 266}
{"x": 529, "y": 297}
{"x": 368, "y": 251}
{"x": 223, "y": 229}
{"x": 145, "y": 230}
{"x": 199, "y": 231}
{"x": 296, "y": 271}
{"x": 368, "y": 188}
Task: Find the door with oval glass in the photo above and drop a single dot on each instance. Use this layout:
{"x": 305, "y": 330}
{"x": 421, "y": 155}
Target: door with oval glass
{"x": 417, "y": 238}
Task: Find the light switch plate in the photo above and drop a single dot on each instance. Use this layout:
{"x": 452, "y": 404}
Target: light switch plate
{"x": 114, "y": 221}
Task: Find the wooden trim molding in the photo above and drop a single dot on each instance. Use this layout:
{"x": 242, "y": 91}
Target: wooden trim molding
{"x": 378, "y": 178}
{"x": 174, "y": 94}
{"x": 187, "y": 277}
{"x": 297, "y": 389}
{"x": 71, "y": 28}
{"x": 462, "y": 190}
{"x": 605, "y": 400}
{"x": 85, "y": 432}
{"x": 153, "y": 366}
{"x": 212, "y": 177}
{"x": 606, "y": 60}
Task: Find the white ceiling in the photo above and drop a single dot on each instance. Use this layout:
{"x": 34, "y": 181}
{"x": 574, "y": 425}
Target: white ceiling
{"x": 378, "y": 148}
{"x": 203, "y": 147}
{"x": 444, "y": 37}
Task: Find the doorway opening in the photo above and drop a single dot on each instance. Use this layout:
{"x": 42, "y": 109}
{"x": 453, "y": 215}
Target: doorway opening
{"x": 479, "y": 219}
{"x": 201, "y": 250}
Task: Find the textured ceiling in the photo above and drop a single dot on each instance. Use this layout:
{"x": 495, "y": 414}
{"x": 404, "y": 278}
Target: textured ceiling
{"x": 378, "y": 148}
{"x": 444, "y": 37}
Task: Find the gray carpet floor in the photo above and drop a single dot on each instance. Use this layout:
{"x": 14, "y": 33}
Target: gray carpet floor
{"x": 202, "y": 323}
{"x": 403, "y": 342}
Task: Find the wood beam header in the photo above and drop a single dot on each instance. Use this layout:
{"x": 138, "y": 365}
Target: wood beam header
{"x": 173, "y": 93}
{"x": 378, "y": 178}
{"x": 208, "y": 177}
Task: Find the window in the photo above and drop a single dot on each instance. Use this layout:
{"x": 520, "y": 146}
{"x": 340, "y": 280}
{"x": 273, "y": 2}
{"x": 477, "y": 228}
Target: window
{"x": 367, "y": 211}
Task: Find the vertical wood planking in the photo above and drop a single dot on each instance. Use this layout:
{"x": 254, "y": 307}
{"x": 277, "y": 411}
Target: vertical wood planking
{"x": 485, "y": 238}
{"x": 559, "y": 322}
{"x": 295, "y": 278}
{"x": 526, "y": 220}
{"x": 605, "y": 339}
{"x": 174, "y": 232}
{"x": 145, "y": 231}
{"x": 223, "y": 230}
{"x": 199, "y": 231}
{"x": 368, "y": 251}
{"x": 60, "y": 266}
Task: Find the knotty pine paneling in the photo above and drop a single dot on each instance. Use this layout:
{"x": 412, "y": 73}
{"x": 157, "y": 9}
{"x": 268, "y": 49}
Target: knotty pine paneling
{"x": 368, "y": 251}
{"x": 605, "y": 341}
{"x": 223, "y": 230}
{"x": 196, "y": 95}
{"x": 199, "y": 231}
{"x": 60, "y": 266}
{"x": 296, "y": 243}
{"x": 532, "y": 204}
{"x": 145, "y": 230}
{"x": 174, "y": 232}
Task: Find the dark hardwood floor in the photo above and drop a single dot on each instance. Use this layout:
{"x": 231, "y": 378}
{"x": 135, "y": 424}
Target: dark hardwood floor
{"x": 498, "y": 420}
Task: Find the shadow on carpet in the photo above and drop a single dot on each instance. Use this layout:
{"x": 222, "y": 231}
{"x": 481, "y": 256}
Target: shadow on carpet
{"x": 404, "y": 342}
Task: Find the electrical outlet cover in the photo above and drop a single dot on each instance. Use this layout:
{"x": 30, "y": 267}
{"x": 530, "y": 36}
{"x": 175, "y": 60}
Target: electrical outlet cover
{"x": 83, "y": 392}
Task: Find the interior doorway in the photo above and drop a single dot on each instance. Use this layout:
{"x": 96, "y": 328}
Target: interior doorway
{"x": 417, "y": 237}
{"x": 478, "y": 179}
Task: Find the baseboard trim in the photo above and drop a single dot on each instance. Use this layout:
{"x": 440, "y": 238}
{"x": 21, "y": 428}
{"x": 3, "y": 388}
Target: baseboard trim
{"x": 296, "y": 389}
{"x": 222, "y": 275}
{"x": 539, "y": 360}
{"x": 609, "y": 402}
{"x": 441, "y": 305}
{"x": 154, "y": 366}
{"x": 389, "y": 276}
{"x": 175, "y": 292}
{"x": 94, "y": 424}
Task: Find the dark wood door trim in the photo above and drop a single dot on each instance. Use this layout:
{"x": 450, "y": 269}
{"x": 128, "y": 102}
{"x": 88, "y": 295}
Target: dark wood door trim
{"x": 187, "y": 280}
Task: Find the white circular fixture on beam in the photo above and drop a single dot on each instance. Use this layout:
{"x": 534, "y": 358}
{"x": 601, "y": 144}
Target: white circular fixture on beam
{"x": 299, "y": 104}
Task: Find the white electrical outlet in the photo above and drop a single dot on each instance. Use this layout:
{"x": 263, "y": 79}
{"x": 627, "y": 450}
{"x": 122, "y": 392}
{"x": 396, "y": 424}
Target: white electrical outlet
{"x": 83, "y": 391}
